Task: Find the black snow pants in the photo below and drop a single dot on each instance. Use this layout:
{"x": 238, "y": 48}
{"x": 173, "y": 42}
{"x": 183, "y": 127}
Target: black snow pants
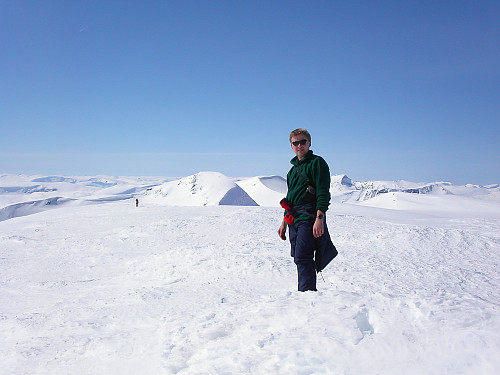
{"x": 303, "y": 245}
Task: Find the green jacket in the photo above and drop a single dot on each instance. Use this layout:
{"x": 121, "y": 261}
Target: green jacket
{"x": 315, "y": 169}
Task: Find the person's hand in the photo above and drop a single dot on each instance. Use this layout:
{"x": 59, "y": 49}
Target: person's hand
{"x": 318, "y": 228}
{"x": 282, "y": 231}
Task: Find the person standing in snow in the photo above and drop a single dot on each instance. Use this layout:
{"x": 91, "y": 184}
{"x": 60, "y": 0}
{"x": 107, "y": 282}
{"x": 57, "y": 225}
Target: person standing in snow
{"x": 306, "y": 203}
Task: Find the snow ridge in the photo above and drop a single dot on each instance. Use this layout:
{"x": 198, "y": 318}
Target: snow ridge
{"x": 20, "y": 197}
{"x": 343, "y": 189}
{"x": 200, "y": 189}
{"x": 28, "y": 208}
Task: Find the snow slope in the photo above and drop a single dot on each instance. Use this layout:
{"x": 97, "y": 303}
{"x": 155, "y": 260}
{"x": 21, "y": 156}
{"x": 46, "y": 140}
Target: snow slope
{"x": 24, "y": 195}
{"x": 448, "y": 205}
{"x": 200, "y": 189}
{"x": 115, "y": 289}
{"x": 265, "y": 191}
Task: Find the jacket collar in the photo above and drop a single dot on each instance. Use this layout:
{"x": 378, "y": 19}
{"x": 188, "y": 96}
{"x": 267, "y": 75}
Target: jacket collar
{"x": 295, "y": 160}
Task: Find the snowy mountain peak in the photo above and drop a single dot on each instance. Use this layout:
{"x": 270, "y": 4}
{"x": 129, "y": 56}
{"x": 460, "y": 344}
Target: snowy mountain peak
{"x": 200, "y": 189}
{"x": 341, "y": 180}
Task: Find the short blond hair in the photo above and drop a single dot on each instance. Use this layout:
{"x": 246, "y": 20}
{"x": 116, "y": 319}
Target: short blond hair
{"x": 300, "y": 131}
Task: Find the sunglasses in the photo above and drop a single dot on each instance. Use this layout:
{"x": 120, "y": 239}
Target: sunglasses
{"x": 301, "y": 142}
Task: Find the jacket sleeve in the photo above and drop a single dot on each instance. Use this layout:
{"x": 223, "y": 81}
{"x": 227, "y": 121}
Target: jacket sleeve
{"x": 322, "y": 182}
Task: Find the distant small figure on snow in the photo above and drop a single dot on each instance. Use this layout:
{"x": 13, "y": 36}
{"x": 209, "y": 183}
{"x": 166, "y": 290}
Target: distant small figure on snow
{"x": 137, "y": 202}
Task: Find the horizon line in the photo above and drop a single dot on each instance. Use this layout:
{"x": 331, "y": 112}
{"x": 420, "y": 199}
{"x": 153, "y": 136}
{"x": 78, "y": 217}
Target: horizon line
{"x": 59, "y": 154}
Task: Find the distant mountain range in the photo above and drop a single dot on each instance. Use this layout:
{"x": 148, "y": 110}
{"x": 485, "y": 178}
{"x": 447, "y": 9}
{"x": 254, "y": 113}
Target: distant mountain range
{"x": 23, "y": 195}
{"x": 212, "y": 188}
{"x": 343, "y": 189}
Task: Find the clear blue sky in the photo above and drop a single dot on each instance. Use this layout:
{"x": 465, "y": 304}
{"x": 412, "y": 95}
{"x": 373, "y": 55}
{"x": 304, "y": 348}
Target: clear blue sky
{"x": 388, "y": 89}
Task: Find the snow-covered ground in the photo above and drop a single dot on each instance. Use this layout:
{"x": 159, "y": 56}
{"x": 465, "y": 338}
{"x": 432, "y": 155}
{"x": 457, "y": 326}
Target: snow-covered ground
{"x": 201, "y": 284}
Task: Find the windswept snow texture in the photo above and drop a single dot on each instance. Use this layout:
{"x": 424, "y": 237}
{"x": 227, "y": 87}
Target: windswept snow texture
{"x": 118, "y": 289}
